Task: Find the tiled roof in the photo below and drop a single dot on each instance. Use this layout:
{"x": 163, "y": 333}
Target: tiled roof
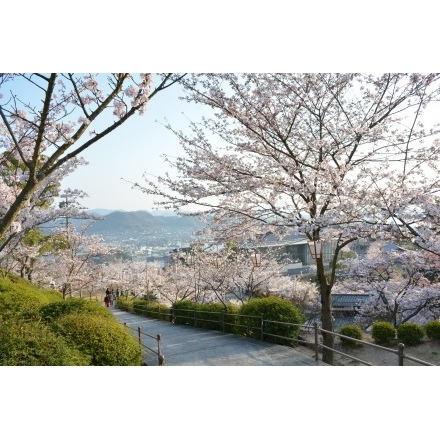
{"x": 348, "y": 299}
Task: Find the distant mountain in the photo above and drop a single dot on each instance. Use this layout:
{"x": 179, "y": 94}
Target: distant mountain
{"x": 156, "y": 213}
{"x": 130, "y": 222}
{"x": 100, "y": 211}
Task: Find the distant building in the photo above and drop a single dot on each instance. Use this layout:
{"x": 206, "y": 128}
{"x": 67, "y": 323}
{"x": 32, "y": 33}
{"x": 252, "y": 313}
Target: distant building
{"x": 344, "y": 309}
{"x": 296, "y": 249}
{"x": 347, "y": 304}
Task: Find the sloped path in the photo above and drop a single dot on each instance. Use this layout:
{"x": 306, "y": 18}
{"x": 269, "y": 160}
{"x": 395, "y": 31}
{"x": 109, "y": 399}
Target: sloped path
{"x": 189, "y": 346}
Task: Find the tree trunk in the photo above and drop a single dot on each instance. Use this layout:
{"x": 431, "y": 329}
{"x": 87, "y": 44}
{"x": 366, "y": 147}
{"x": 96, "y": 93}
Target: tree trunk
{"x": 14, "y": 210}
{"x": 327, "y": 324}
{"x": 326, "y": 313}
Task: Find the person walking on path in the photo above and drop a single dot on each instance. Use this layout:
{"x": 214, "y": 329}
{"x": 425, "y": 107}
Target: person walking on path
{"x": 111, "y": 296}
{"x": 108, "y": 296}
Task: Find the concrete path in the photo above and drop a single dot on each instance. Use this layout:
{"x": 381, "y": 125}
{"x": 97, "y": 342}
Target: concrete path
{"x": 190, "y": 346}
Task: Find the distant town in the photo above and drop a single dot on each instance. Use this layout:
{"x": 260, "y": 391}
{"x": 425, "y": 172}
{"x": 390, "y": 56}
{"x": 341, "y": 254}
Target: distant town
{"x": 140, "y": 235}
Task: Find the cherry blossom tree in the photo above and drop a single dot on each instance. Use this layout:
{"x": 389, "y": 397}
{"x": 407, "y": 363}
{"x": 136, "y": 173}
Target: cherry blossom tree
{"x": 176, "y": 288}
{"x": 179, "y": 281}
{"x": 71, "y": 265}
{"x": 402, "y": 286}
{"x": 25, "y": 249}
{"x": 136, "y": 278}
{"x": 30, "y": 249}
{"x": 228, "y": 275}
{"x": 304, "y": 153}
{"x": 48, "y": 120}
{"x": 305, "y": 296}
{"x": 38, "y": 211}
{"x": 408, "y": 205}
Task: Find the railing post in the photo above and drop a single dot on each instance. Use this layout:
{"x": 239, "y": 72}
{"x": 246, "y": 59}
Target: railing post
{"x": 139, "y": 337}
{"x": 160, "y": 356}
{"x": 262, "y": 327}
{"x": 400, "y": 349}
{"x": 315, "y": 325}
{"x": 195, "y": 318}
{"x": 171, "y": 314}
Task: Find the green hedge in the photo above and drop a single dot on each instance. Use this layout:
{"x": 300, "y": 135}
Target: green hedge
{"x": 383, "y": 332}
{"x": 34, "y": 344}
{"x": 106, "y": 341}
{"x": 410, "y": 333}
{"x": 212, "y": 316}
{"x": 271, "y": 309}
{"x": 184, "y": 312}
{"x": 217, "y": 316}
{"x": 20, "y": 299}
{"x": 352, "y": 331}
{"x": 38, "y": 327}
{"x": 151, "y": 309}
{"x": 432, "y": 330}
{"x": 53, "y": 311}
{"x": 124, "y": 303}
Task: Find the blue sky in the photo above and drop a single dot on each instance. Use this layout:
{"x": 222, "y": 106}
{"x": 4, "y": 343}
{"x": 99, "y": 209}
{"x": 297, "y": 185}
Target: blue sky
{"x": 124, "y": 155}
{"x": 233, "y": 38}
{"x": 136, "y": 148}
{"x": 130, "y": 151}
{"x": 196, "y": 36}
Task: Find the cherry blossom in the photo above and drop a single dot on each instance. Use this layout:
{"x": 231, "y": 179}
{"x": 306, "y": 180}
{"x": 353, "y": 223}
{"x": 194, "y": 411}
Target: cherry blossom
{"x": 44, "y": 119}
{"x": 335, "y": 157}
{"x": 402, "y": 285}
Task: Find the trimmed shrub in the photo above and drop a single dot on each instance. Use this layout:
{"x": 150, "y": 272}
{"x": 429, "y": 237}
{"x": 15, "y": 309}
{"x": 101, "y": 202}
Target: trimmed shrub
{"x": 159, "y": 311}
{"x": 231, "y": 320}
{"x": 33, "y": 344}
{"x": 211, "y": 316}
{"x": 352, "y": 331}
{"x": 53, "y": 311}
{"x": 184, "y": 312}
{"x": 124, "y": 303}
{"x": 106, "y": 341}
{"x": 277, "y": 311}
{"x": 216, "y": 316}
{"x": 138, "y": 306}
{"x": 13, "y": 283}
{"x": 383, "y": 332}
{"x": 23, "y": 305}
{"x": 151, "y": 309}
{"x": 38, "y": 327}
{"x": 410, "y": 333}
{"x": 19, "y": 298}
{"x": 432, "y": 330}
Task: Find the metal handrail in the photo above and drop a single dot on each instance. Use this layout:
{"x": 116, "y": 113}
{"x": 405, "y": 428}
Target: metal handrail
{"x": 400, "y": 352}
{"x": 316, "y": 345}
{"x": 158, "y": 351}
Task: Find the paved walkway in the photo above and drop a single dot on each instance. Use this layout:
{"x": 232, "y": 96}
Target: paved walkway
{"x": 190, "y": 346}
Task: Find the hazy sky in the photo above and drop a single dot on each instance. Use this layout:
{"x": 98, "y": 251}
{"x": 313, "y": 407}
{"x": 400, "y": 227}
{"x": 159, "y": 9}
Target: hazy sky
{"x": 197, "y": 36}
{"x": 130, "y": 151}
{"x": 136, "y": 148}
{"x": 213, "y": 40}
